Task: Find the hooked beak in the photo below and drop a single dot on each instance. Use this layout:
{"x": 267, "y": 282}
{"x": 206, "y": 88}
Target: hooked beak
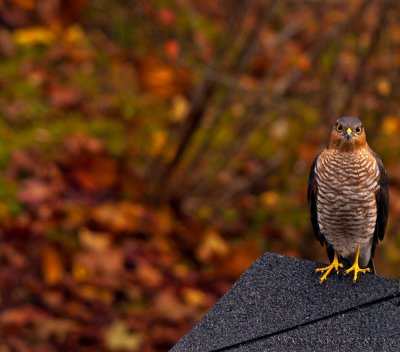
{"x": 348, "y": 133}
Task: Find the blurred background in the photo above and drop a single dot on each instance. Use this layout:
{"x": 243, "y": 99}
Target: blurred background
{"x": 150, "y": 151}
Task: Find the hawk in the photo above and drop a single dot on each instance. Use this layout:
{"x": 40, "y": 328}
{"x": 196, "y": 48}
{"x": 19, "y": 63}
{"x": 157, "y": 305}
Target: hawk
{"x": 348, "y": 199}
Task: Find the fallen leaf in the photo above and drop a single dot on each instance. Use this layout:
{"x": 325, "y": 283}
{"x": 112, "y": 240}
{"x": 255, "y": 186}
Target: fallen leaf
{"x": 162, "y": 79}
{"x": 168, "y": 306}
{"x": 13, "y": 257}
{"x": 95, "y": 293}
{"x": 89, "y": 263}
{"x": 172, "y": 49}
{"x": 270, "y": 199}
{"x": 164, "y": 222}
{"x": 25, "y": 4}
{"x": 75, "y": 34}
{"x": 33, "y": 36}
{"x": 383, "y": 86}
{"x": 238, "y": 260}
{"x": 98, "y": 241}
{"x": 35, "y": 191}
{"x": 124, "y": 216}
{"x": 213, "y": 245}
{"x": 149, "y": 275}
{"x": 196, "y": 297}
{"x": 158, "y": 142}
{"x": 21, "y": 316}
{"x": 52, "y": 266}
{"x": 7, "y": 47}
{"x": 63, "y": 97}
{"x": 95, "y": 173}
{"x": 303, "y": 62}
{"x": 167, "y": 16}
{"x": 391, "y": 125}
{"x": 180, "y": 108}
{"x": 118, "y": 337}
{"x": 56, "y": 329}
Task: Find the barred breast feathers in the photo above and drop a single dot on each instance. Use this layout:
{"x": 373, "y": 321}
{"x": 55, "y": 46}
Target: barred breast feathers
{"x": 346, "y": 203}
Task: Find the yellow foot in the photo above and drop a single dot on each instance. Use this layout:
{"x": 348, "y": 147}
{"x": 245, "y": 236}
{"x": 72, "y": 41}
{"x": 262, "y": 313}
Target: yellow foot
{"x": 356, "y": 268}
{"x": 327, "y": 269}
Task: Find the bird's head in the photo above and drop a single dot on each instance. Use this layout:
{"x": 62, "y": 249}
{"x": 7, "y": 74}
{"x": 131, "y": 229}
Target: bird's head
{"x": 348, "y": 135}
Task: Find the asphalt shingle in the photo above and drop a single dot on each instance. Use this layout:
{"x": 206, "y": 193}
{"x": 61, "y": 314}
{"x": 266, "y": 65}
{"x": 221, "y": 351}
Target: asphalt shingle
{"x": 281, "y": 297}
{"x": 372, "y": 328}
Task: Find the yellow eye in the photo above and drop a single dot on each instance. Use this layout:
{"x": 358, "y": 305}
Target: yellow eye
{"x": 339, "y": 128}
{"x": 358, "y": 129}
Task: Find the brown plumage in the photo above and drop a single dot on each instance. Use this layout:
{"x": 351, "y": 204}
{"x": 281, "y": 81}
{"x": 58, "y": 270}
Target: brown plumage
{"x": 348, "y": 198}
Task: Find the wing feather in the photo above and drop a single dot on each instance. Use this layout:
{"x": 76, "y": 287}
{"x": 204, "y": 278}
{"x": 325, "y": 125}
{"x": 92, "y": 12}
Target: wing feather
{"x": 312, "y": 201}
{"x": 382, "y": 203}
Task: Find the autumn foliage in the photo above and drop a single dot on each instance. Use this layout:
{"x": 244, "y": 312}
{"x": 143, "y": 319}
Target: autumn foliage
{"x": 151, "y": 151}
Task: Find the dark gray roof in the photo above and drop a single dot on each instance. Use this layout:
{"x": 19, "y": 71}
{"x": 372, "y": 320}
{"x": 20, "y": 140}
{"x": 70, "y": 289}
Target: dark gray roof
{"x": 278, "y": 304}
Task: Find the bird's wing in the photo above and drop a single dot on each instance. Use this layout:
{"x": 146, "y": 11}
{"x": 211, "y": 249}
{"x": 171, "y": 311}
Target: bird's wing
{"x": 382, "y": 203}
{"x": 312, "y": 200}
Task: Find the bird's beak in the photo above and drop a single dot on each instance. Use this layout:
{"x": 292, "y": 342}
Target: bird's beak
{"x": 348, "y": 133}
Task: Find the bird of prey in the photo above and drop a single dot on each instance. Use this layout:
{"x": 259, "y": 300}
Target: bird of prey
{"x": 348, "y": 199}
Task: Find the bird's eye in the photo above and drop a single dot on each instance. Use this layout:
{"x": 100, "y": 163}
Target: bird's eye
{"x": 339, "y": 128}
{"x": 358, "y": 129}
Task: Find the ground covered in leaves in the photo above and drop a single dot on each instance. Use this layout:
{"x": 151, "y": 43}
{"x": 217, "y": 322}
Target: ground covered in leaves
{"x": 150, "y": 153}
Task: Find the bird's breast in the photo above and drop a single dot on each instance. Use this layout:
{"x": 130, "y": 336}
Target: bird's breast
{"x": 346, "y": 204}
{"x": 347, "y": 175}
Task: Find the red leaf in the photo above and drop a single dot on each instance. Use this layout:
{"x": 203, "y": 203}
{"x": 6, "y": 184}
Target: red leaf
{"x": 172, "y": 49}
{"x": 21, "y": 316}
{"x": 167, "y": 17}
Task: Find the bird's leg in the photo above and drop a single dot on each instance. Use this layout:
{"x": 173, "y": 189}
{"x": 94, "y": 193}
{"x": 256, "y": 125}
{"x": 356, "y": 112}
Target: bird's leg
{"x": 355, "y": 266}
{"x": 334, "y": 265}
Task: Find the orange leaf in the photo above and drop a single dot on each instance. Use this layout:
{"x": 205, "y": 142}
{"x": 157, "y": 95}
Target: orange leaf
{"x": 94, "y": 293}
{"x": 96, "y": 174}
{"x": 391, "y": 125}
{"x": 158, "y": 142}
{"x": 196, "y": 297}
{"x": 107, "y": 264}
{"x": 213, "y": 245}
{"x": 25, "y": 4}
{"x": 52, "y": 267}
{"x": 168, "y": 306}
{"x": 180, "y": 108}
{"x": 124, "y": 216}
{"x": 239, "y": 259}
{"x": 149, "y": 275}
{"x": 383, "y": 86}
{"x": 270, "y": 199}
{"x": 33, "y": 36}
{"x": 97, "y": 241}
{"x": 162, "y": 79}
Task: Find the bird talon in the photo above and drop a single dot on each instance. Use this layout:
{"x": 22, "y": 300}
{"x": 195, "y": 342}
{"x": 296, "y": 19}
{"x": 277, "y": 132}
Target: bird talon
{"x": 340, "y": 265}
{"x": 355, "y": 267}
{"x": 356, "y": 270}
{"x": 327, "y": 269}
